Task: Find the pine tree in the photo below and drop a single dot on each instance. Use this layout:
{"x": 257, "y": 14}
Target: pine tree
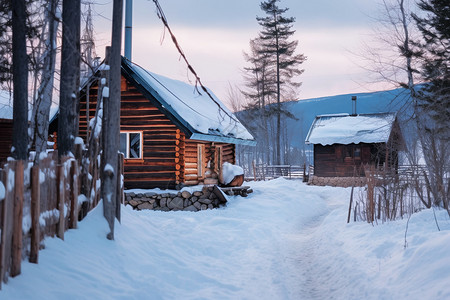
{"x": 276, "y": 44}
{"x": 434, "y": 98}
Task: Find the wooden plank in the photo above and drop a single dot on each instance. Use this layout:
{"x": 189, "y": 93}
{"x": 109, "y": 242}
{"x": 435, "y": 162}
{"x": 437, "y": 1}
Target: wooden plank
{"x": 60, "y": 200}
{"x": 7, "y": 226}
{"x": 16, "y": 255}
{"x": 35, "y": 214}
{"x": 73, "y": 190}
{"x": 120, "y": 186}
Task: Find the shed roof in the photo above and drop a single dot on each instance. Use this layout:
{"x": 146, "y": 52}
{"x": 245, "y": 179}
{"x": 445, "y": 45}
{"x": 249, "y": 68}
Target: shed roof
{"x": 202, "y": 117}
{"x": 348, "y": 129}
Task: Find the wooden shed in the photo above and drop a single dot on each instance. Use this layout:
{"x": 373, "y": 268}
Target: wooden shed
{"x": 170, "y": 133}
{"x": 344, "y": 144}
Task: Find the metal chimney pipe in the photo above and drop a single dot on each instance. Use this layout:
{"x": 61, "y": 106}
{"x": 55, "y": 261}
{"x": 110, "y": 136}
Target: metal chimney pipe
{"x": 128, "y": 27}
{"x": 354, "y": 106}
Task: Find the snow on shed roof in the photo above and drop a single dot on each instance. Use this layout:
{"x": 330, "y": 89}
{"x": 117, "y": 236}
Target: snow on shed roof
{"x": 206, "y": 119}
{"x": 347, "y": 129}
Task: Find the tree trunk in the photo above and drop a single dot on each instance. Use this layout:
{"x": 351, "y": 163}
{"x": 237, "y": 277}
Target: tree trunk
{"x": 111, "y": 121}
{"x": 277, "y": 49}
{"x": 41, "y": 109}
{"x": 70, "y": 76}
{"x": 20, "y": 80}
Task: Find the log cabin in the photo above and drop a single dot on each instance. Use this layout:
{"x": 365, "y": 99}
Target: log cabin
{"x": 344, "y": 144}
{"x": 171, "y": 134}
{"x": 6, "y": 125}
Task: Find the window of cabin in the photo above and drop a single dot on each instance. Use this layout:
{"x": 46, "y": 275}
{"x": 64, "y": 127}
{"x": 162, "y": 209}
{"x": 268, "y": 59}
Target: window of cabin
{"x": 218, "y": 159}
{"x": 348, "y": 152}
{"x": 200, "y": 160}
{"x": 357, "y": 152}
{"x": 131, "y": 144}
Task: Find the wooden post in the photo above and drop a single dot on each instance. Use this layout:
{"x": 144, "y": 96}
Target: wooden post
{"x": 35, "y": 213}
{"x": 254, "y": 170}
{"x": 16, "y": 256}
{"x": 60, "y": 200}
{"x": 73, "y": 182}
{"x": 350, "y": 205}
{"x": 120, "y": 194}
{"x": 7, "y": 227}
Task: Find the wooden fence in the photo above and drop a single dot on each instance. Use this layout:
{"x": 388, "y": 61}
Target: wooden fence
{"x": 267, "y": 172}
{"x": 39, "y": 201}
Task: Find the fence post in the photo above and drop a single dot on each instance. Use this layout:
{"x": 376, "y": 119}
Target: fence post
{"x": 16, "y": 256}
{"x": 119, "y": 185}
{"x": 350, "y": 205}
{"x": 60, "y": 200}
{"x": 6, "y": 235}
{"x": 73, "y": 182}
{"x": 35, "y": 213}
{"x": 254, "y": 170}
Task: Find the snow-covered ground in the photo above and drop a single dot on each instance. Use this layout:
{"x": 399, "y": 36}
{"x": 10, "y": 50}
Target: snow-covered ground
{"x": 287, "y": 240}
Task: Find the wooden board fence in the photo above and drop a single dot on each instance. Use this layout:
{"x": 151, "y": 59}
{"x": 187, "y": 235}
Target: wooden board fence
{"x": 48, "y": 195}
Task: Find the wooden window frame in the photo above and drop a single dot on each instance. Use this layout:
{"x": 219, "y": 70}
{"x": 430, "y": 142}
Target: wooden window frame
{"x": 141, "y": 146}
{"x": 200, "y": 161}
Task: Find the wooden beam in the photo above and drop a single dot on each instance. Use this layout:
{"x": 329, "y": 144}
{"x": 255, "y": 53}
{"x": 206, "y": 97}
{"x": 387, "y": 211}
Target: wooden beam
{"x": 73, "y": 183}
{"x": 35, "y": 214}
{"x": 60, "y": 200}
{"x": 16, "y": 256}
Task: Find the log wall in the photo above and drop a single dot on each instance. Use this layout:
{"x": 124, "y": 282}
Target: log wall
{"x": 6, "y": 126}
{"x": 169, "y": 158}
{"x": 333, "y": 160}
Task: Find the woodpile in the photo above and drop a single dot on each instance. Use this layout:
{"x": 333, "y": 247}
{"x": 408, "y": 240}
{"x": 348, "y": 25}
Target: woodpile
{"x": 208, "y": 198}
{"x": 337, "y": 181}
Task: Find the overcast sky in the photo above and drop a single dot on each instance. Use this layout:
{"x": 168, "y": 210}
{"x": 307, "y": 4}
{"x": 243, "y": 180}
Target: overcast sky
{"x": 214, "y": 34}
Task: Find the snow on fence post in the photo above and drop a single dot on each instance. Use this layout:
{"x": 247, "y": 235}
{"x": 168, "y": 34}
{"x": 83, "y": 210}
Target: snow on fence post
{"x": 16, "y": 256}
{"x": 73, "y": 181}
{"x": 60, "y": 200}
{"x": 35, "y": 214}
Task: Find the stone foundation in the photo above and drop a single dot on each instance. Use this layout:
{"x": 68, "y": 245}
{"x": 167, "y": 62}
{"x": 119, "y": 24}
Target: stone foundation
{"x": 337, "y": 181}
{"x": 186, "y": 201}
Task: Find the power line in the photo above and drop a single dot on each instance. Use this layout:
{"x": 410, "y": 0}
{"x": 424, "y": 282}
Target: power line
{"x": 162, "y": 17}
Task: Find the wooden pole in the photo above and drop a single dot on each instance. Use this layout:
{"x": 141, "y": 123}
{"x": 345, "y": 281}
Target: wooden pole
{"x": 73, "y": 180}
{"x": 35, "y": 213}
{"x": 254, "y": 170}
{"x": 60, "y": 200}
{"x": 6, "y": 226}
{"x": 119, "y": 185}
{"x": 16, "y": 256}
{"x": 350, "y": 205}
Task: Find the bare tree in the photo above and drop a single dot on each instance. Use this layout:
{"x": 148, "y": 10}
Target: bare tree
{"x": 43, "y": 101}
{"x": 70, "y": 76}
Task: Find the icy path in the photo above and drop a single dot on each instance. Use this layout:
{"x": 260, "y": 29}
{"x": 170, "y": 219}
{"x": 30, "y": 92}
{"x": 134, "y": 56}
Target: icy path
{"x": 287, "y": 240}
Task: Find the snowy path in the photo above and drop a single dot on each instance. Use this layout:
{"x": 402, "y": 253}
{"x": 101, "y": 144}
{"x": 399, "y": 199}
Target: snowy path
{"x": 287, "y": 240}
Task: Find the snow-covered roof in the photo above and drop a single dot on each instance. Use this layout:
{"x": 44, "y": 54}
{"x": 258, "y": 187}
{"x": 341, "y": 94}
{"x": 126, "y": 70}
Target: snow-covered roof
{"x": 204, "y": 118}
{"x": 348, "y": 129}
